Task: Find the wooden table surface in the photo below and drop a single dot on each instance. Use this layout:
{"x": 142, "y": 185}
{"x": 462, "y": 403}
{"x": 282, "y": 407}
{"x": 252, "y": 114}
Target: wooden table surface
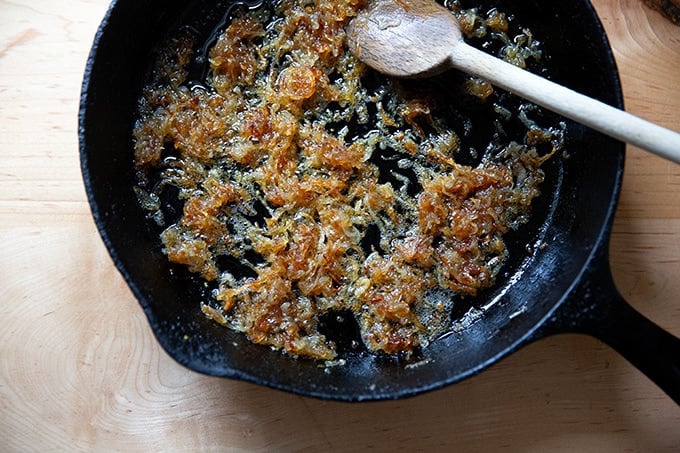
{"x": 81, "y": 371}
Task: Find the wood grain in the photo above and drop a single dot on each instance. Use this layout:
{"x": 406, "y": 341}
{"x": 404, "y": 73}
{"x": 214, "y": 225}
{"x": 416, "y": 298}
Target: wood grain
{"x": 81, "y": 371}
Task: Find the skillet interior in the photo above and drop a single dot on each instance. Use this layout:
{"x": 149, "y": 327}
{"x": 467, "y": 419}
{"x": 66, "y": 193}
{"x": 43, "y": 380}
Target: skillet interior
{"x": 572, "y": 217}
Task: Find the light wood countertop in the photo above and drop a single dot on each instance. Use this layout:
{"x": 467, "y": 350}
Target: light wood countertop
{"x": 81, "y": 371}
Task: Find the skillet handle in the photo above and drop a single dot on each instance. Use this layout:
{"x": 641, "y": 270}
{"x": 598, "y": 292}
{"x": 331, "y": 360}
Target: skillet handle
{"x": 597, "y": 308}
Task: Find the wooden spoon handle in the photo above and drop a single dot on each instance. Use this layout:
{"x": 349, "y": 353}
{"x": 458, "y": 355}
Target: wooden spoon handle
{"x": 587, "y": 111}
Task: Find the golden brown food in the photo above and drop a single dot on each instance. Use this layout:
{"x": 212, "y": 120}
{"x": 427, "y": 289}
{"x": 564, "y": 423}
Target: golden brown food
{"x": 309, "y": 185}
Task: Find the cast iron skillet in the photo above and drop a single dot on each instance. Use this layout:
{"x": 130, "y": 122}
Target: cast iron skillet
{"x": 564, "y": 286}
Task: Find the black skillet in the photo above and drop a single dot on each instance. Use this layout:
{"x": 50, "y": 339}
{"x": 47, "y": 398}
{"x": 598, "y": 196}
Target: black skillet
{"x": 563, "y": 286}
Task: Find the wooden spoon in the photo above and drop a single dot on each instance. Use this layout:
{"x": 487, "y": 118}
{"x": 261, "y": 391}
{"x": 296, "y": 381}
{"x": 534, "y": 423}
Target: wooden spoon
{"x": 417, "y": 38}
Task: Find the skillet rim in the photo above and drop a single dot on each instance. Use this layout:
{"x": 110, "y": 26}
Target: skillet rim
{"x": 102, "y": 221}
